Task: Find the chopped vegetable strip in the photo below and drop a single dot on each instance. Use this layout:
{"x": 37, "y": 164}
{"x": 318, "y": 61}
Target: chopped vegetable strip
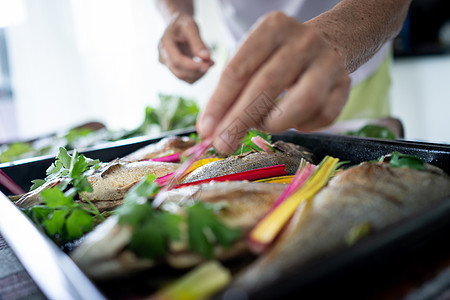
{"x": 200, "y": 283}
{"x": 269, "y": 227}
{"x": 195, "y": 153}
{"x": 303, "y": 173}
{"x": 262, "y": 143}
{"x": 278, "y": 179}
{"x": 8, "y": 183}
{"x": 175, "y": 157}
{"x": 278, "y": 170}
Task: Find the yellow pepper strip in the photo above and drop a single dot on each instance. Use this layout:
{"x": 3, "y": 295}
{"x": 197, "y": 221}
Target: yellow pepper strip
{"x": 199, "y": 163}
{"x": 200, "y": 283}
{"x": 279, "y": 179}
{"x": 268, "y": 228}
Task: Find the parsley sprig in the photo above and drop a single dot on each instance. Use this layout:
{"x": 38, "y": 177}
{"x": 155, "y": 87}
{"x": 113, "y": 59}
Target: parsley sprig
{"x": 154, "y": 229}
{"x": 248, "y": 145}
{"x": 61, "y": 217}
{"x": 400, "y": 160}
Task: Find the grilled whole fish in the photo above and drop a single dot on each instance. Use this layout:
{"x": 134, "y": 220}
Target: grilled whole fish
{"x": 168, "y": 145}
{"x": 103, "y": 252}
{"x": 288, "y": 154}
{"x": 110, "y": 182}
{"x": 371, "y": 193}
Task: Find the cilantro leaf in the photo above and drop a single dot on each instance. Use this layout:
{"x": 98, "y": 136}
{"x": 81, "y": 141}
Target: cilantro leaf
{"x": 398, "y": 160}
{"x": 374, "y": 131}
{"x": 205, "y": 230}
{"x": 248, "y": 145}
{"x": 55, "y": 223}
{"x": 78, "y": 223}
{"x": 153, "y": 229}
{"x": 54, "y": 198}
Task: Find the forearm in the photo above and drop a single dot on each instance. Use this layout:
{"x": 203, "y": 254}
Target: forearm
{"x": 172, "y": 8}
{"x": 357, "y": 29}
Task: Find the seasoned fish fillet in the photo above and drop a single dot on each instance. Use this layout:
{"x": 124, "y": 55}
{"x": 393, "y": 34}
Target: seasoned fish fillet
{"x": 164, "y": 146}
{"x": 373, "y": 193}
{"x": 289, "y": 154}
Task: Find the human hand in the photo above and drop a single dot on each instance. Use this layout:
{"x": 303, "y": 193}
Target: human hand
{"x": 182, "y": 50}
{"x": 279, "y": 54}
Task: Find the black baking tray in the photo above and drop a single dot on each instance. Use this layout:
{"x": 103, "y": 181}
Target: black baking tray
{"x": 365, "y": 270}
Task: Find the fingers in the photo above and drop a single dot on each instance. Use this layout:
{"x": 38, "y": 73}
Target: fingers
{"x": 252, "y": 54}
{"x": 279, "y": 54}
{"x": 182, "y": 50}
{"x": 315, "y": 100}
{"x": 196, "y": 44}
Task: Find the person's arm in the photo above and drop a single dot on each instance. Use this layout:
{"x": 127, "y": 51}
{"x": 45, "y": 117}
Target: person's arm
{"x": 358, "y": 29}
{"x": 311, "y": 61}
{"x": 181, "y": 48}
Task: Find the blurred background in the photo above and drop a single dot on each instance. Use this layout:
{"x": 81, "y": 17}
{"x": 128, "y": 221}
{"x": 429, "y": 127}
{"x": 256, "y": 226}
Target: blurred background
{"x": 66, "y": 62}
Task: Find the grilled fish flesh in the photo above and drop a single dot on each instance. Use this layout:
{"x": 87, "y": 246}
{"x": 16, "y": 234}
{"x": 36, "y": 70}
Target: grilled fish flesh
{"x": 288, "y": 154}
{"x": 371, "y": 193}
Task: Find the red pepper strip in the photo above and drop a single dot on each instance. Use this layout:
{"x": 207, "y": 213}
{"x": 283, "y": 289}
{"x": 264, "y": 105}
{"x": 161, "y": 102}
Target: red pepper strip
{"x": 301, "y": 176}
{"x": 169, "y": 158}
{"x": 8, "y": 183}
{"x": 272, "y": 171}
{"x": 163, "y": 180}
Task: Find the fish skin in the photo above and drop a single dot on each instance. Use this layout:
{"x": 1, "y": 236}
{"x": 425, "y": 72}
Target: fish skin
{"x": 373, "y": 193}
{"x": 289, "y": 154}
{"x": 110, "y": 182}
{"x": 113, "y": 180}
{"x": 245, "y": 203}
{"x": 166, "y": 145}
{"x": 33, "y": 197}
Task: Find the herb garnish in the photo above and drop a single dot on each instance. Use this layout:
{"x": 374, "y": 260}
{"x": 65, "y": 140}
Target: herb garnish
{"x": 61, "y": 217}
{"x": 248, "y": 145}
{"x": 398, "y": 160}
{"x": 154, "y": 228}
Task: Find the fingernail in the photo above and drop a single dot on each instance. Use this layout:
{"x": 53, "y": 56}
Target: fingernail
{"x": 203, "y": 53}
{"x": 206, "y": 127}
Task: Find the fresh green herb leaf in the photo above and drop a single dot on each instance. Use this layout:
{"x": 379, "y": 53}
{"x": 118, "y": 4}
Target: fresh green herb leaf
{"x": 55, "y": 223}
{"x": 400, "y": 160}
{"x": 205, "y": 230}
{"x": 78, "y": 223}
{"x": 153, "y": 229}
{"x": 61, "y": 218}
{"x": 54, "y": 198}
{"x": 374, "y": 131}
{"x": 36, "y": 183}
{"x": 248, "y": 145}
{"x": 15, "y": 151}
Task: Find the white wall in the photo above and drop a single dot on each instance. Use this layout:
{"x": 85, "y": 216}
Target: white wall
{"x": 421, "y": 97}
{"x": 74, "y": 61}
{"x": 83, "y": 60}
